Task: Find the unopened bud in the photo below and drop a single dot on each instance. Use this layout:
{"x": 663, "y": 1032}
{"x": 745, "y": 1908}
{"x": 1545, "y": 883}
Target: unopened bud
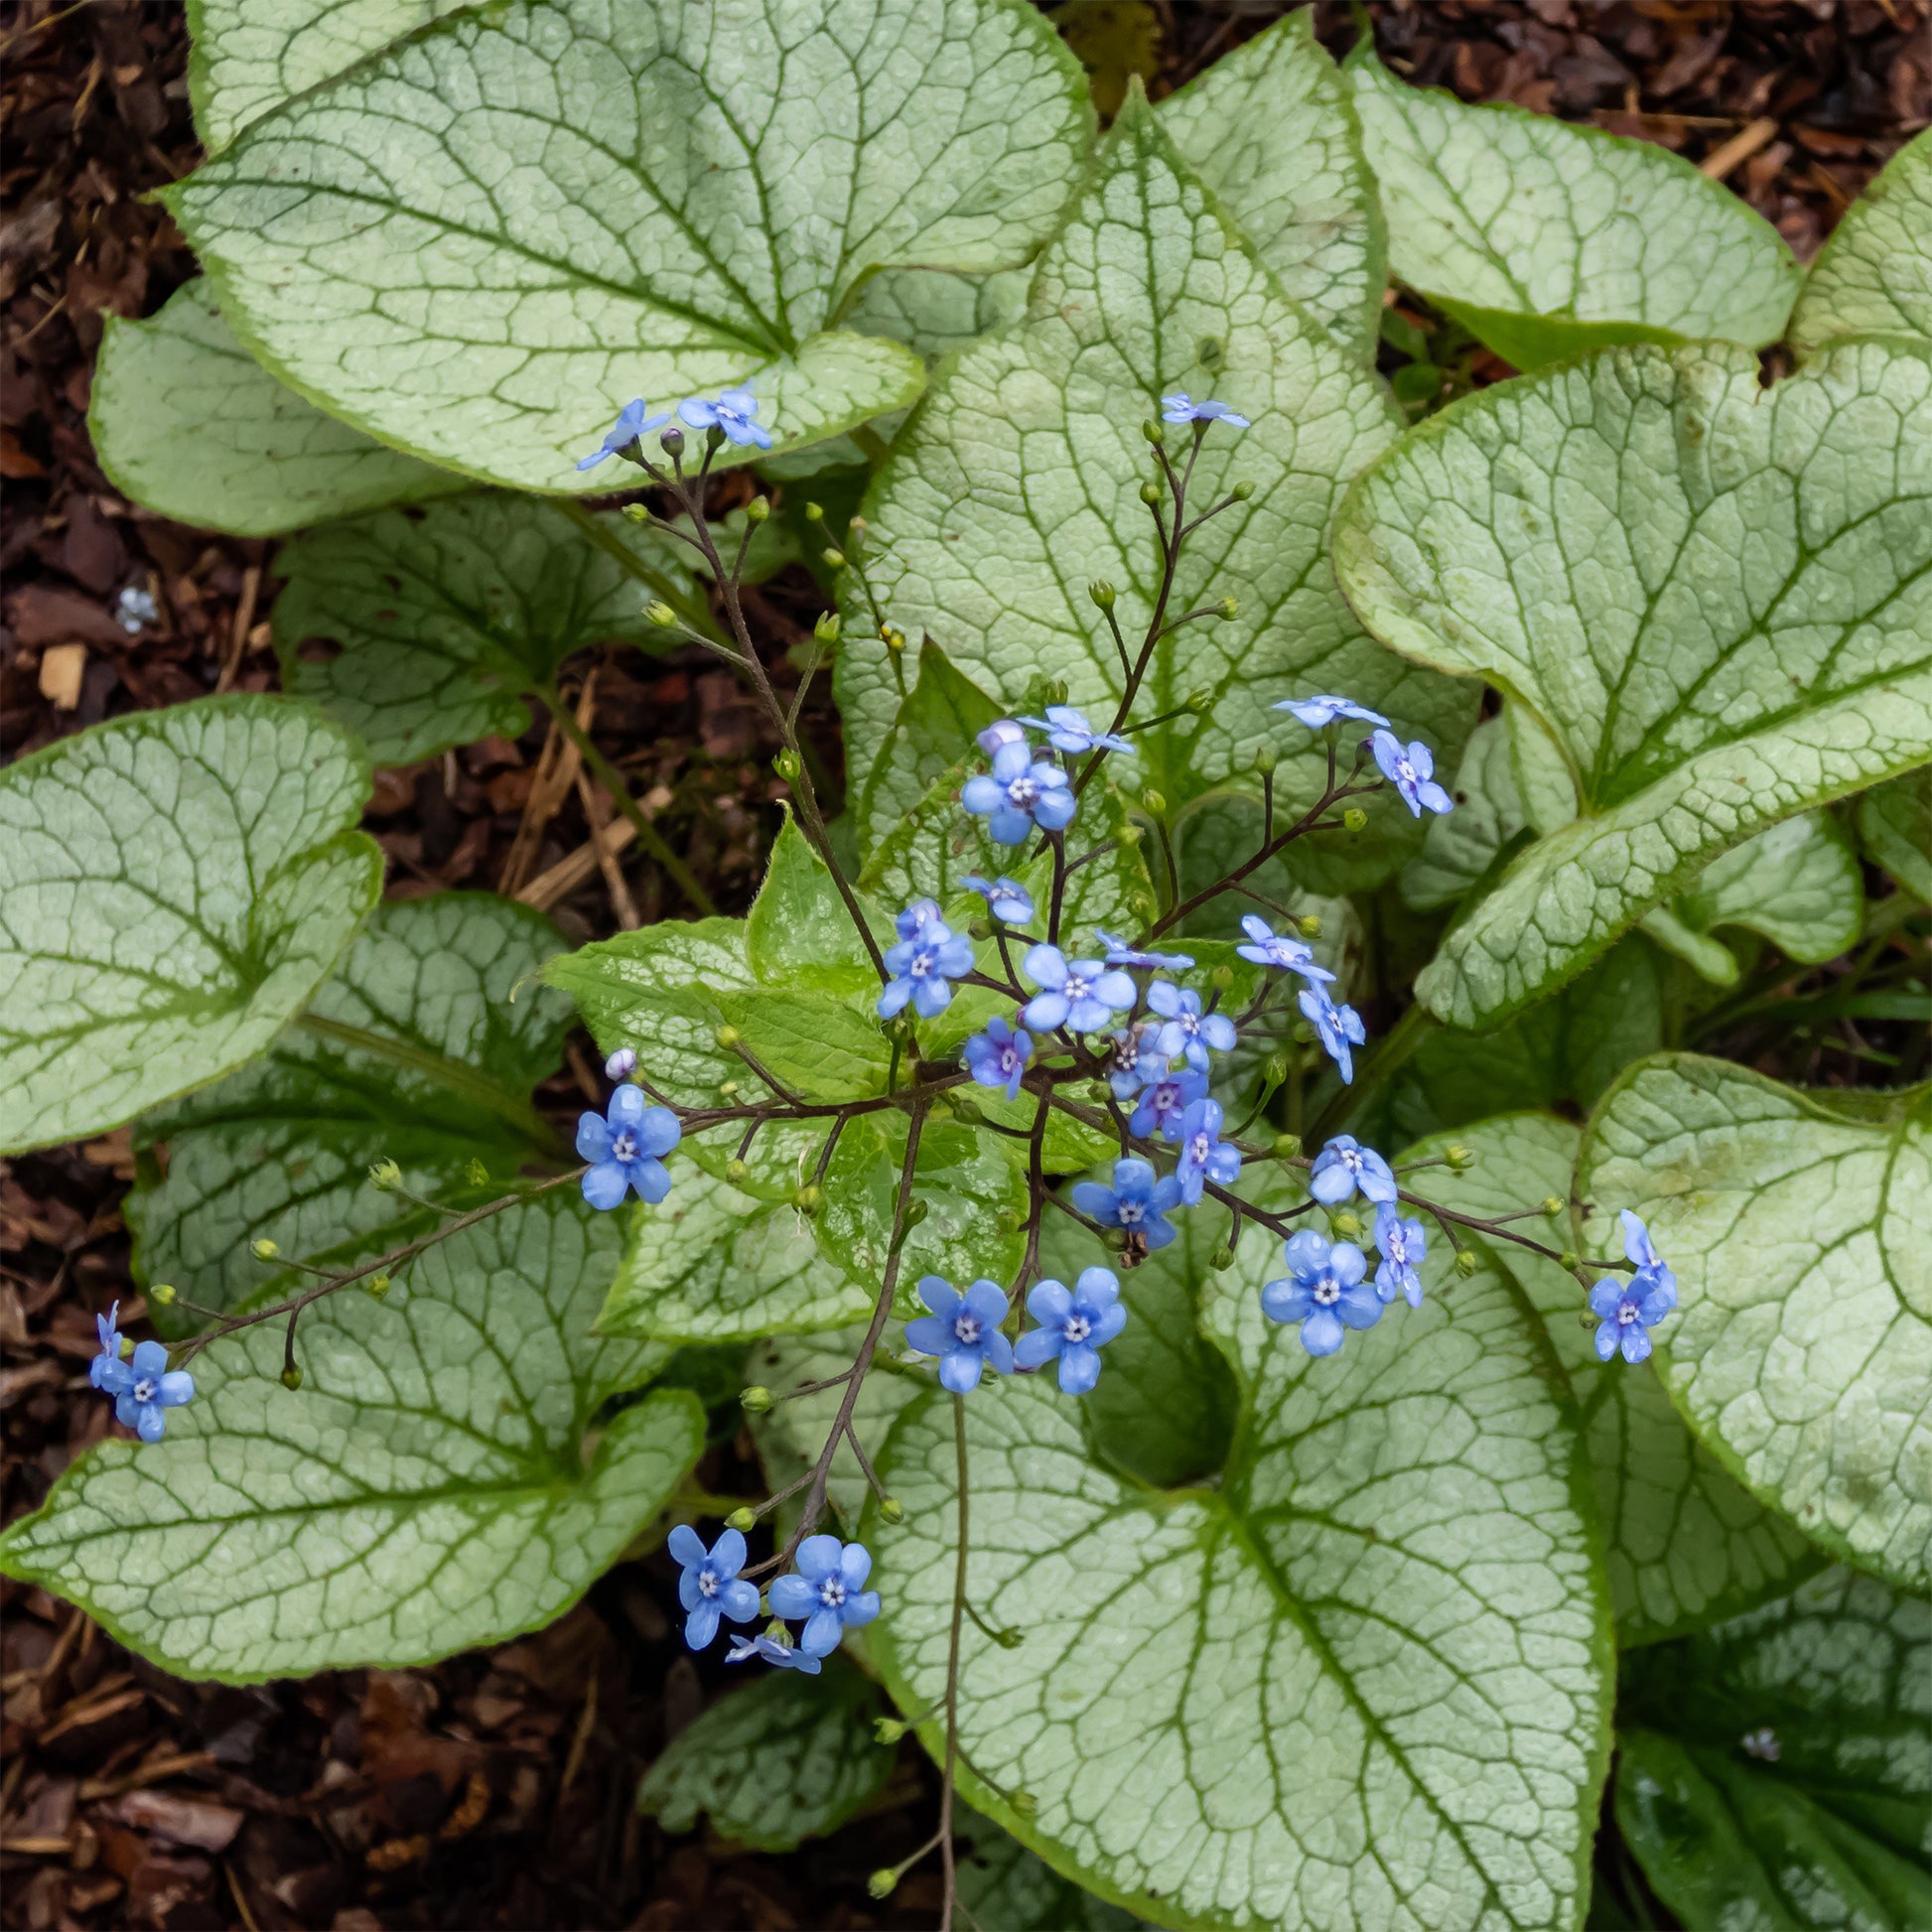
{"x": 741, "y": 1519}
{"x": 263, "y": 1249}
{"x": 1311, "y": 924}
{"x": 1552, "y": 1207}
{"x": 1465, "y": 1262}
{"x": 1200, "y": 702}
{"x": 1266, "y": 760}
{"x": 290, "y": 1377}
{"x": 1286, "y": 1146}
{"x": 1222, "y": 1258}
{"x": 893, "y": 640}
{"x": 757, "y": 510}
{"x": 1585, "y": 1318}
{"x": 808, "y": 1199}
{"x": 622, "y": 1064}
{"x": 814, "y": 514}
{"x": 476, "y": 1173}
{"x": 916, "y": 1213}
{"x": 855, "y": 535}
{"x": 1242, "y": 492}
{"x": 1461, "y": 1158}
{"x": 1155, "y": 801}
{"x": 834, "y": 559}
{"x": 162, "y": 1295}
{"x": 891, "y": 1510}
{"x": 1221, "y": 978}
{"x": 727, "y": 1037}
{"x": 1230, "y": 607}
{"x": 1345, "y": 1224}
{"x": 1023, "y": 1802}
{"x": 786, "y": 765}
{"x": 384, "y": 1173}
{"x": 888, "y": 1730}
{"x": 756, "y": 1400}
{"x": 1353, "y": 819}
{"x": 1155, "y": 432}
{"x": 1150, "y": 492}
{"x": 826, "y": 629}
{"x": 737, "y": 1170}
{"x": 1053, "y": 690}
{"x": 1102, "y": 593}
{"x": 1009, "y": 1638}
{"x": 1276, "y": 1071}
{"x": 672, "y": 441}
{"x": 883, "y": 1881}
{"x": 661, "y": 614}
{"x": 980, "y": 931}
{"x": 1568, "y": 1258}
{"x": 376, "y": 1287}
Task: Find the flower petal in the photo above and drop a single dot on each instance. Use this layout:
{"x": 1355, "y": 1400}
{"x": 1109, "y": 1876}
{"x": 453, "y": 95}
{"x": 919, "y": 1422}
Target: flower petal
{"x": 686, "y": 1546}
{"x": 818, "y": 1558}
{"x": 792, "y": 1597}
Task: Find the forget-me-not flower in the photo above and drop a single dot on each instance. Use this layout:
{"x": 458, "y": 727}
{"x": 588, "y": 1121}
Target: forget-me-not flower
{"x": 1082, "y": 993}
{"x": 106, "y": 1326}
{"x": 1339, "y": 1028}
{"x": 829, "y": 1592}
{"x": 710, "y": 1586}
{"x": 1323, "y": 1291}
{"x": 632, "y": 422}
{"x": 999, "y": 1057}
{"x": 1204, "y": 1156}
{"x": 625, "y": 1148}
{"x": 1164, "y": 1102}
{"x": 783, "y": 1656}
{"x": 1120, "y": 954}
{"x": 1267, "y": 947}
{"x": 622, "y": 1064}
{"x": 922, "y": 968}
{"x": 922, "y": 913}
{"x": 733, "y": 412}
{"x": 1182, "y": 408}
{"x": 1624, "y": 1309}
{"x": 1136, "y": 1201}
{"x": 1074, "y": 1327}
{"x": 1133, "y": 1060}
{"x": 1412, "y": 771}
{"x": 1343, "y": 1166}
{"x": 1317, "y": 712}
{"x": 1022, "y": 792}
{"x": 143, "y": 1388}
{"x": 1404, "y": 1245}
{"x": 1008, "y": 901}
{"x": 1001, "y": 731}
{"x": 1189, "y": 1033}
{"x": 1068, "y": 730}
{"x": 963, "y": 1331}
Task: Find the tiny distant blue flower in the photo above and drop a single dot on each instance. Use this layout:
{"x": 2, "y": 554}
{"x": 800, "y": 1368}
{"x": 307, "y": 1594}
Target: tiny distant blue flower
{"x": 1182, "y": 408}
{"x": 1267, "y": 947}
{"x": 1204, "y": 1156}
{"x": 1021, "y": 792}
{"x": 1624, "y": 1309}
{"x": 781, "y": 1655}
{"x": 625, "y": 1148}
{"x": 1404, "y": 1244}
{"x": 1074, "y": 1327}
{"x": 1120, "y": 954}
{"x": 733, "y": 413}
{"x": 1323, "y": 1291}
{"x": 633, "y": 421}
{"x": 1068, "y": 730}
{"x": 829, "y": 1590}
{"x": 1317, "y": 712}
{"x": 710, "y": 1586}
{"x": 921, "y": 968}
{"x": 1008, "y": 902}
{"x": 1136, "y": 1201}
{"x": 1001, "y": 731}
{"x": 922, "y": 913}
{"x": 109, "y": 1358}
{"x": 1343, "y": 1166}
{"x": 1339, "y": 1028}
{"x": 963, "y": 1331}
{"x": 1189, "y": 1033}
{"x": 1133, "y": 1061}
{"x": 1411, "y": 773}
{"x": 622, "y": 1064}
{"x": 144, "y": 1389}
{"x": 1081, "y": 993}
{"x": 1164, "y": 1103}
{"x": 999, "y": 1057}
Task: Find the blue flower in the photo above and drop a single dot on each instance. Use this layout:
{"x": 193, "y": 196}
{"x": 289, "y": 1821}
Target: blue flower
{"x": 1001, "y": 731}
{"x": 1074, "y": 1327}
{"x": 1624, "y": 1309}
{"x": 1317, "y": 712}
{"x": 1132, "y": 1061}
{"x": 1343, "y": 1166}
{"x": 1323, "y": 1291}
{"x": 1189, "y": 1033}
{"x": 999, "y": 1057}
{"x": 1007, "y": 902}
{"x": 922, "y": 913}
{"x": 143, "y": 1388}
{"x": 1164, "y": 1102}
{"x": 626, "y": 1147}
{"x": 1267, "y": 947}
{"x": 1021, "y": 793}
{"x": 1411, "y": 773}
{"x": 829, "y": 1590}
{"x": 1068, "y": 731}
{"x": 963, "y": 1331}
{"x": 109, "y": 1359}
{"x": 1338, "y": 1027}
{"x": 1136, "y": 1202}
{"x": 1182, "y": 408}
{"x": 622, "y": 1064}
{"x": 922, "y": 967}
{"x": 710, "y": 1586}
{"x": 1081, "y": 993}
{"x": 632, "y": 423}
{"x": 1120, "y": 954}
{"x": 1404, "y": 1245}
{"x": 1204, "y": 1156}
{"x": 732, "y": 412}
{"x": 781, "y": 1655}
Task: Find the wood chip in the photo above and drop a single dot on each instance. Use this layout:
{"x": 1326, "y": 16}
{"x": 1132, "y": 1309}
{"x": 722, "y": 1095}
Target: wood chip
{"x": 1739, "y": 147}
{"x": 195, "y": 1821}
{"x": 62, "y": 668}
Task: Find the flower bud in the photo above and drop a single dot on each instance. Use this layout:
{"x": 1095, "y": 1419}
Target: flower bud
{"x": 834, "y": 559}
{"x": 1155, "y": 801}
{"x": 661, "y": 614}
{"x": 1286, "y": 1146}
{"x": 1276, "y": 1071}
{"x": 622, "y": 1064}
{"x": 893, "y": 640}
{"x": 384, "y": 1173}
{"x": 1221, "y": 978}
{"x": 808, "y": 1199}
{"x": 826, "y": 629}
{"x": 741, "y": 1519}
{"x": 1009, "y": 1638}
{"x": 882, "y": 1883}
{"x": 1228, "y": 608}
{"x": 891, "y": 1510}
{"x": 727, "y": 1037}
{"x": 476, "y": 1173}
{"x": 757, "y": 510}
{"x": 888, "y": 1730}
{"x": 814, "y": 514}
{"x": 376, "y": 1287}
{"x": 162, "y": 1295}
{"x": 1150, "y": 492}
{"x": 1347, "y": 1225}
{"x": 1585, "y": 1318}
{"x": 1053, "y": 690}
{"x": 1568, "y": 1258}
{"x": 1266, "y": 760}
{"x": 634, "y": 513}
{"x": 1154, "y": 433}
{"x": 786, "y": 765}
{"x": 916, "y": 1212}
{"x": 1023, "y": 1802}
{"x": 1552, "y": 1207}
{"x": 290, "y": 1377}
{"x": 737, "y": 1170}
{"x": 1465, "y": 1262}
{"x": 1242, "y": 492}
{"x": 979, "y": 930}
{"x": 1461, "y": 1158}
{"x": 1353, "y": 819}
{"x": 1200, "y": 702}
{"x": 263, "y": 1249}
{"x": 1311, "y": 924}
{"x": 756, "y": 1400}
{"x": 1221, "y": 1259}
{"x": 855, "y": 535}
{"x": 1102, "y": 593}
{"x": 671, "y": 442}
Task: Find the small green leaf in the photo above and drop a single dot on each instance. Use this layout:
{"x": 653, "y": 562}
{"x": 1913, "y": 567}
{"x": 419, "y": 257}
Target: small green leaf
{"x": 778, "y": 1759}
{"x": 1800, "y": 1353}
{"x": 1773, "y": 1771}
{"x": 1895, "y": 824}
{"x": 1544, "y": 238}
{"x": 799, "y": 932}
{"x": 1874, "y": 275}
{"x": 174, "y": 887}
{"x": 430, "y": 1488}
{"x": 426, "y": 629}
{"x": 1004, "y": 1884}
{"x": 1717, "y": 598}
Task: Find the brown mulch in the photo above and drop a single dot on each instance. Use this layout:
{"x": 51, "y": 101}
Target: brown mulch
{"x": 496, "y": 1789}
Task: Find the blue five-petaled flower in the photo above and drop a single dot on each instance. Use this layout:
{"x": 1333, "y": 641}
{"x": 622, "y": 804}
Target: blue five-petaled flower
{"x": 1008, "y": 901}
{"x": 1404, "y": 1245}
{"x": 733, "y": 412}
{"x": 1344, "y": 1165}
{"x": 1317, "y": 712}
{"x": 1081, "y": 993}
{"x": 107, "y": 1330}
{"x": 829, "y": 1592}
{"x": 710, "y": 1586}
{"x": 1339, "y": 1028}
{"x": 1136, "y": 1202}
{"x": 1624, "y": 1309}
{"x": 1021, "y": 792}
{"x": 999, "y": 1057}
{"x": 1074, "y": 1327}
{"x": 963, "y": 1331}
{"x": 1323, "y": 1291}
{"x": 1189, "y": 1033}
{"x": 784, "y": 1655}
{"x": 1412, "y": 771}
{"x": 1182, "y": 408}
{"x": 143, "y": 1388}
{"x": 625, "y": 1148}
{"x": 922, "y": 913}
{"x": 1204, "y": 1156}
{"x": 922, "y": 967}
{"x": 1068, "y": 730}
{"x": 1164, "y": 1104}
{"x": 634, "y": 421}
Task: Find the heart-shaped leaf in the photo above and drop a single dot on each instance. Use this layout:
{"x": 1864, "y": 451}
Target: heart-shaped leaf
{"x": 1874, "y": 275}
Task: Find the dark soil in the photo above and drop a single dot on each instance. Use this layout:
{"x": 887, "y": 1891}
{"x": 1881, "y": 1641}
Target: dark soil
{"x": 497, "y": 1790}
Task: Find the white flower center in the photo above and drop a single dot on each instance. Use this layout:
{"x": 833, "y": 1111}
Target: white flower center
{"x": 144, "y": 1389}
{"x": 1404, "y": 772}
{"x": 1197, "y": 1149}
{"x": 920, "y": 966}
{"x": 623, "y": 1147}
{"x": 1075, "y": 986}
{"x": 1022, "y": 792}
{"x": 1351, "y": 1160}
{"x": 967, "y": 1329}
{"x": 1077, "y": 1329}
{"x": 708, "y": 1584}
{"x": 831, "y": 1592}
{"x": 1130, "y": 1213}
{"x": 1626, "y": 1312}
{"x": 1328, "y": 1290}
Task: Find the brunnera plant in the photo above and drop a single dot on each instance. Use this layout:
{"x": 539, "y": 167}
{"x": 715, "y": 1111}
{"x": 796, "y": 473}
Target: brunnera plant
{"x": 1267, "y": 1465}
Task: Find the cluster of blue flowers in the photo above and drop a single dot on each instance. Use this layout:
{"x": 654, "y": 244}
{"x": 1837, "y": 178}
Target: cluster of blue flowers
{"x": 735, "y": 412}
{"x": 963, "y": 1331}
{"x": 825, "y": 1590}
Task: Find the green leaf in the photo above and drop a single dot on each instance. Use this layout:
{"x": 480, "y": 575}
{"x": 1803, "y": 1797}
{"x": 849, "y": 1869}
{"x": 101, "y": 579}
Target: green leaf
{"x": 776, "y": 1760}
{"x": 480, "y": 244}
{"x": 1461, "y": 846}
{"x": 799, "y": 932}
{"x": 1717, "y": 599}
{"x": 1541, "y": 768}
{"x": 1271, "y": 130}
{"x": 430, "y": 1488}
{"x": 186, "y": 422}
{"x": 424, "y": 629}
{"x": 1685, "y": 1545}
{"x": 1895, "y": 825}
{"x": 934, "y": 311}
{"x": 1002, "y": 1884}
{"x": 1800, "y": 1353}
{"x": 174, "y": 887}
{"x": 423, "y": 1049}
{"x": 1293, "y": 1699}
{"x": 1544, "y": 238}
{"x": 933, "y": 730}
{"x": 1874, "y": 275}
{"x": 1835, "y": 1828}
{"x": 1017, "y": 483}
